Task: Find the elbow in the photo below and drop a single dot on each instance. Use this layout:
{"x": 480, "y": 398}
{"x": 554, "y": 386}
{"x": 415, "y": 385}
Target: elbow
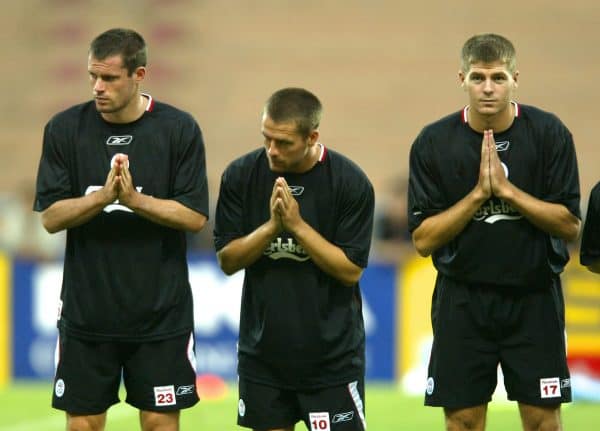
{"x": 225, "y": 264}
{"x": 422, "y": 242}
{"x": 49, "y": 225}
{"x": 573, "y": 230}
{"x": 350, "y": 278}
{"x": 422, "y": 248}
{"x": 197, "y": 223}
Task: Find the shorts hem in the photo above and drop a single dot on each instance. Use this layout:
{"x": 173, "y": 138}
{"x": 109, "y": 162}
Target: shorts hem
{"x": 454, "y": 405}
{"x": 84, "y": 412}
{"x": 166, "y": 409}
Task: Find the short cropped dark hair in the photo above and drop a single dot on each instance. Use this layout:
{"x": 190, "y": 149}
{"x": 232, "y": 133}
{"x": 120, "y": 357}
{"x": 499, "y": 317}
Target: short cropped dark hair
{"x": 295, "y": 104}
{"x": 488, "y": 48}
{"x": 129, "y": 44}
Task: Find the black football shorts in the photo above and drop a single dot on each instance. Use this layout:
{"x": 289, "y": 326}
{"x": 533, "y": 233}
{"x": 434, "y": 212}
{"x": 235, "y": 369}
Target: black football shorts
{"x": 338, "y": 408}
{"x": 479, "y": 327}
{"x": 159, "y": 376}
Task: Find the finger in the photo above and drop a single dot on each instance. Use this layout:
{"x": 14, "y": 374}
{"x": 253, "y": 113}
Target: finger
{"x": 491, "y": 140}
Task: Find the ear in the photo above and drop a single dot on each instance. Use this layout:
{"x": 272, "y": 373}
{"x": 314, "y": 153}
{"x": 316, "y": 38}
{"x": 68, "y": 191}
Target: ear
{"x": 313, "y": 138}
{"x": 516, "y": 78}
{"x": 139, "y": 74}
{"x": 461, "y": 78}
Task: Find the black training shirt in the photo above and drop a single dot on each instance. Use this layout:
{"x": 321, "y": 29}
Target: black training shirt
{"x": 125, "y": 277}
{"x": 299, "y": 327}
{"x": 498, "y": 246}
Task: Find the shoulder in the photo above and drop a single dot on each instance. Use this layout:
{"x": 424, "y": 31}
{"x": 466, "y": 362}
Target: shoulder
{"x": 442, "y": 126}
{"x": 243, "y": 165}
{"x": 539, "y": 117}
{"x": 170, "y": 113}
{"x": 439, "y": 132}
{"x": 346, "y": 168}
{"x": 71, "y": 116}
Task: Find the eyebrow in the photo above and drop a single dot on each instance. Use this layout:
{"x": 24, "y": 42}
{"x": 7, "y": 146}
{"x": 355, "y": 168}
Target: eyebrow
{"x": 275, "y": 139}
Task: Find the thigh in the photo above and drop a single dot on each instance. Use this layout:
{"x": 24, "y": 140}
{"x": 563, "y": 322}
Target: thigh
{"x": 160, "y": 376}
{"x": 266, "y": 407}
{"x": 87, "y": 378}
{"x": 534, "y": 356}
{"x": 463, "y": 365}
{"x": 339, "y": 408}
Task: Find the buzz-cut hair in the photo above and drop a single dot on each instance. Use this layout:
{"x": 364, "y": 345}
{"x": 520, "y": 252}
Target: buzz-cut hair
{"x": 297, "y": 105}
{"x": 129, "y": 44}
{"x": 488, "y": 48}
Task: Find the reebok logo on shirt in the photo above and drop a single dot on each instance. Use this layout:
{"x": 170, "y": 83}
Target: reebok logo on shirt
{"x": 119, "y": 140}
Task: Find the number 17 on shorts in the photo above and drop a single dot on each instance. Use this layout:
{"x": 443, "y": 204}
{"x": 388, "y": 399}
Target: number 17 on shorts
{"x": 550, "y": 388}
{"x": 319, "y": 421}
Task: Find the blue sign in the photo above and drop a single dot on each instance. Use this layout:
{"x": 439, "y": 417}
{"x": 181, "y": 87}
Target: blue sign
{"x": 36, "y": 290}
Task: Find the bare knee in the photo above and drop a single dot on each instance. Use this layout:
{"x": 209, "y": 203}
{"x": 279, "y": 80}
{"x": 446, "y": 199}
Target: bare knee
{"x": 467, "y": 419}
{"x": 537, "y": 418}
{"x": 155, "y": 421}
{"x": 86, "y": 422}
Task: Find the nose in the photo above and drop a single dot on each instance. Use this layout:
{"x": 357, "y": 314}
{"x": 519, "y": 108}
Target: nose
{"x": 98, "y": 85}
{"x": 271, "y": 147}
{"x": 488, "y": 86}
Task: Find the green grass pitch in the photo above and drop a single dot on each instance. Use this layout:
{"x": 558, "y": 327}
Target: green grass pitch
{"x": 26, "y": 407}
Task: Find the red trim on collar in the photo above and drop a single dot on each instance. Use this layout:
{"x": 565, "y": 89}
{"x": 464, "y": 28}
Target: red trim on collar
{"x": 323, "y": 153}
{"x": 150, "y": 105}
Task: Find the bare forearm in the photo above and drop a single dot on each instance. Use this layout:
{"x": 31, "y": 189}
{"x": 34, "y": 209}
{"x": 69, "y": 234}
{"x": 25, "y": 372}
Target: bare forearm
{"x": 69, "y": 213}
{"x": 552, "y": 218}
{"x": 438, "y": 230}
{"x": 243, "y": 252}
{"x": 167, "y": 212}
{"x": 328, "y": 257}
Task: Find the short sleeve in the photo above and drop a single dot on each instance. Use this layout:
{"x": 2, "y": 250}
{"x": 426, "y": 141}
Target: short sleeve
{"x": 53, "y": 181}
{"x": 355, "y": 226}
{"x": 191, "y": 185}
{"x": 562, "y": 175}
{"x": 228, "y": 216}
{"x": 424, "y": 196}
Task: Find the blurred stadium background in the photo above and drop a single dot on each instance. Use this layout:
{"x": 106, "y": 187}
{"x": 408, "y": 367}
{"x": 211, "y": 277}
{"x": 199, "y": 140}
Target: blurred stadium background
{"x": 383, "y": 69}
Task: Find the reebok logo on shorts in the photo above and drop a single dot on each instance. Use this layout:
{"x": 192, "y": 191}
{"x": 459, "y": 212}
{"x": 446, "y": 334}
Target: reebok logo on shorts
{"x": 184, "y": 390}
{"x": 342, "y": 417}
{"x": 550, "y": 387}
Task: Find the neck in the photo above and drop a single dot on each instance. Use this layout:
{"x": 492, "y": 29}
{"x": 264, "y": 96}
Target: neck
{"x": 498, "y": 122}
{"x": 134, "y": 110}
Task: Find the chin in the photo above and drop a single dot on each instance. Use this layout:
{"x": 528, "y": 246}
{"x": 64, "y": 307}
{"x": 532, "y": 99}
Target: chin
{"x": 488, "y": 111}
{"x": 276, "y": 168}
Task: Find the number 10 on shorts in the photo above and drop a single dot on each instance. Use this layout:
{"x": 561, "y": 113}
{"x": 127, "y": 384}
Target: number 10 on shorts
{"x": 550, "y": 388}
{"x": 319, "y": 421}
